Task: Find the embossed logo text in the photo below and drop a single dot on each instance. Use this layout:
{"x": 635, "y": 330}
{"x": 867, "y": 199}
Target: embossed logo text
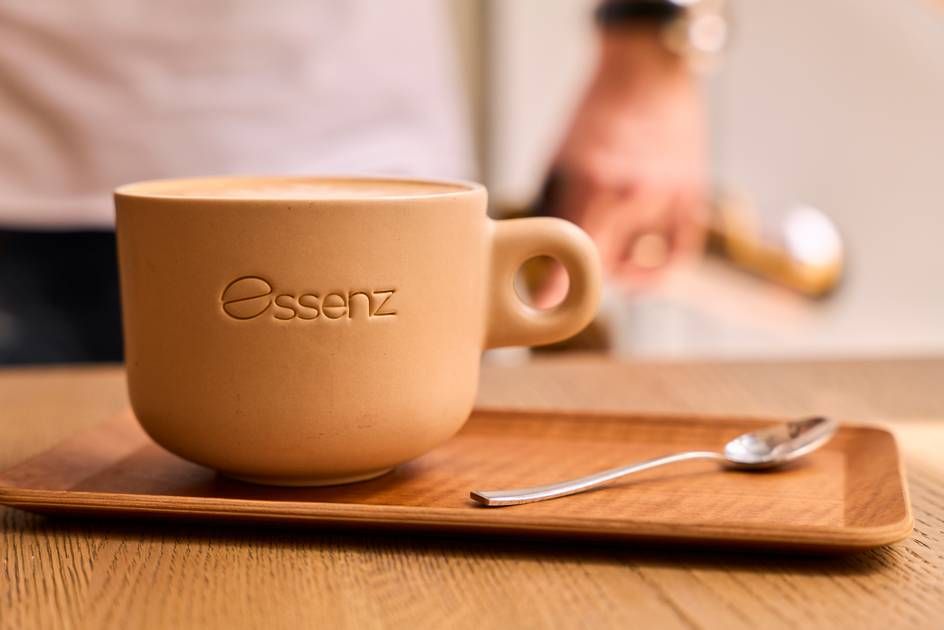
{"x": 250, "y": 297}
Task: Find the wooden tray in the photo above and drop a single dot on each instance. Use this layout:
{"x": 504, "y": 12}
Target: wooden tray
{"x": 849, "y": 495}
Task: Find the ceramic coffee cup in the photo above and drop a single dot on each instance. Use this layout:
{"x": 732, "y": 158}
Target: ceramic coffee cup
{"x": 306, "y": 331}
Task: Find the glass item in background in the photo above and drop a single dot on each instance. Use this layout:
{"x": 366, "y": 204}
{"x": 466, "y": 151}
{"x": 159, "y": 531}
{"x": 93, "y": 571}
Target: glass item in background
{"x": 799, "y": 247}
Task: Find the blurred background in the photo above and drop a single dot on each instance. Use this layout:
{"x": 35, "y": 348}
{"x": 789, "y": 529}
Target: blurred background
{"x": 834, "y": 103}
{"x": 820, "y": 201}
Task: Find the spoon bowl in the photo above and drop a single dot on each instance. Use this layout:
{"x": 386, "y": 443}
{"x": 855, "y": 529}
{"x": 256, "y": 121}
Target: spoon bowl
{"x": 779, "y": 444}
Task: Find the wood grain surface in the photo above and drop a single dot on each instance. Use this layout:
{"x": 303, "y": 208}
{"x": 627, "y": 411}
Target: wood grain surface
{"x": 846, "y": 496}
{"x": 130, "y": 574}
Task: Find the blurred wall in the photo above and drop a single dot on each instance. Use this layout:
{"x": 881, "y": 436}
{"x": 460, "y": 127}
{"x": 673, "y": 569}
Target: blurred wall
{"x": 837, "y": 103}
{"x": 467, "y": 20}
{"x": 538, "y": 56}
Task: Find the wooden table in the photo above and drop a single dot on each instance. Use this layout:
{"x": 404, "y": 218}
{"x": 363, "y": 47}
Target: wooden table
{"x": 93, "y": 573}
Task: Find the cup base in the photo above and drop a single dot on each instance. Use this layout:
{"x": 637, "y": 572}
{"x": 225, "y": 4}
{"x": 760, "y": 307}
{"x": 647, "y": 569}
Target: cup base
{"x": 309, "y": 482}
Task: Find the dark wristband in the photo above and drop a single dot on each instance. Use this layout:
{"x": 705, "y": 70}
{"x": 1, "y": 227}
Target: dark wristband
{"x": 614, "y": 13}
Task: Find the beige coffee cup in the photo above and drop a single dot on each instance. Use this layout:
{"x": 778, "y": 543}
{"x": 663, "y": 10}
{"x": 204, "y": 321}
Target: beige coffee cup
{"x": 307, "y": 331}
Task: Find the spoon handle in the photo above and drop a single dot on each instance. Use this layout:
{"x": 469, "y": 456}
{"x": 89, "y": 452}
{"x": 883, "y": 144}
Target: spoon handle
{"x": 498, "y": 498}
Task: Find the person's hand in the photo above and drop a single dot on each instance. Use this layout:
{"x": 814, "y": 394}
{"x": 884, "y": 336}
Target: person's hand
{"x": 631, "y": 168}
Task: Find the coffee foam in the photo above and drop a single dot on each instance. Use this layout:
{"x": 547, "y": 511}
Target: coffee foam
{"x": 291, "y": 188}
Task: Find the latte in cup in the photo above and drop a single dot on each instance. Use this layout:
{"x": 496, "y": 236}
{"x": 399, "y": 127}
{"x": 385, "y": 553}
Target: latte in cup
{"x": 313, "y": 331}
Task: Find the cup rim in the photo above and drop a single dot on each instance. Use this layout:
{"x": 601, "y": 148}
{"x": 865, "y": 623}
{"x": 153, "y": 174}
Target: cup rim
{"x": 162, "y": 188}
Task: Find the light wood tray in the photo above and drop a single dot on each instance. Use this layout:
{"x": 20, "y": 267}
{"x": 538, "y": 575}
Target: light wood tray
{"x": 849, "y": 495}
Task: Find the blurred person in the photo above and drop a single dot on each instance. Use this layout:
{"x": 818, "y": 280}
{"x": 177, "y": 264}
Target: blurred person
{"x": 100, "y": 93}
{"x": 631, "y": 169}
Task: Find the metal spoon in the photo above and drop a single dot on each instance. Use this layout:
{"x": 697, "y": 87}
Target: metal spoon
{"x": 766, "y": 448}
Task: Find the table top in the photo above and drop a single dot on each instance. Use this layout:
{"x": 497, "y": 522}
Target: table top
{"x": 97, "y": 573}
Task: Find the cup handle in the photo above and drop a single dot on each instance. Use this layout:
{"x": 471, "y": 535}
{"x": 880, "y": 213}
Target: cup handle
{"x": 511, "y": 322}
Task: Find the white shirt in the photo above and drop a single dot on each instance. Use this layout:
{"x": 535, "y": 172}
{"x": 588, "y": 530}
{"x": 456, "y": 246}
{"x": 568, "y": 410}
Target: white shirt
{"x": 98, "y": 93}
